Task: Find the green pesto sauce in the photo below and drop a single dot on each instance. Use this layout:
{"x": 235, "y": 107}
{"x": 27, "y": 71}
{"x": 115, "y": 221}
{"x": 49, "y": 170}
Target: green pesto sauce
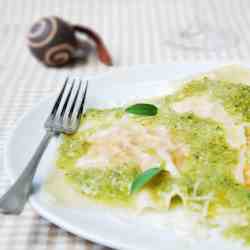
{"x": 72, "y": 148}
{"x": 195, "y": 87}
{"x": 211, "y": 159}
{"x": 100, "y": 119}
{"x": 239, "y": 232}
{"x": 235, "y": 98}
{"x": 110, "y": 185}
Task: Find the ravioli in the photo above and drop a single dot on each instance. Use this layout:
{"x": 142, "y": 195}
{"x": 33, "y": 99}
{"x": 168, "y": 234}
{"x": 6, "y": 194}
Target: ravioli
{"x": 200, "y": 136}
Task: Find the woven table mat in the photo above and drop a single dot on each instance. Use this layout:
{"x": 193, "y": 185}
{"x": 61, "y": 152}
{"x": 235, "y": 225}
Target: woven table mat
{"x": 135, "y": 32}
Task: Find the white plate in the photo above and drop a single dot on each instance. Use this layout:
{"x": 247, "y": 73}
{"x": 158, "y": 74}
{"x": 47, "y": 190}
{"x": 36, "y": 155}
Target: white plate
{"x": 96, "y": 223}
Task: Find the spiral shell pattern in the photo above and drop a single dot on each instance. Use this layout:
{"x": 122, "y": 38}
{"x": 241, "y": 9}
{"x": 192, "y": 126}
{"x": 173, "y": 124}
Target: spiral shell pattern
{"x": 42, "y": 32}
{"x": 59, "y": 54}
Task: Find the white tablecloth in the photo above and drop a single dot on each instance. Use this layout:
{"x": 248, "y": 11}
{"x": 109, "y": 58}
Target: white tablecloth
{"x": 135, "y": 31}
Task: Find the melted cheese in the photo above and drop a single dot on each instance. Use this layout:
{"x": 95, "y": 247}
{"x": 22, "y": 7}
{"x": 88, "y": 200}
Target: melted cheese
{"x": 126, "y": 141}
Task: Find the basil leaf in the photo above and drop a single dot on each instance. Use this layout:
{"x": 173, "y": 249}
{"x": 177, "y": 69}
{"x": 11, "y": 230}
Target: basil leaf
{"x": 144, "y": 178}
{"x": 142, "y": 109}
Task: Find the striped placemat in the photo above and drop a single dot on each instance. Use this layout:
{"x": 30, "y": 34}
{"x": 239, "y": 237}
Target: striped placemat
{"x": 136, "y": 32}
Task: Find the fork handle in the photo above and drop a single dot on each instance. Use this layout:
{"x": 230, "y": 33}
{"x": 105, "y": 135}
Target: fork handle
{"x": 14, "y": 200}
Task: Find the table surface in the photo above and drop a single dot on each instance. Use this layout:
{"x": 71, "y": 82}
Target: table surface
{"x": 136, "y": 32}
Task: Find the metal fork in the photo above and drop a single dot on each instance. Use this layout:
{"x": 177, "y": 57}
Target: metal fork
{"x": 64, "y": 118}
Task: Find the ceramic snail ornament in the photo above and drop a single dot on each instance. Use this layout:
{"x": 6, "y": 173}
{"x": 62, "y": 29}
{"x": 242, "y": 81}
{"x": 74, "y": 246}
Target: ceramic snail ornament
{"x": 55, "y": 43}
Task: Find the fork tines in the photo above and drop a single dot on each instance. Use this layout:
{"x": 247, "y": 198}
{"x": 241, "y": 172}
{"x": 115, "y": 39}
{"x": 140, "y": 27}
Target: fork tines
{"x": 68, "y": 108}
